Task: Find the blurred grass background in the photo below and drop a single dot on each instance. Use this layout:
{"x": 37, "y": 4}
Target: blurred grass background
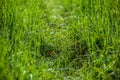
{"x": 59, "y": 40}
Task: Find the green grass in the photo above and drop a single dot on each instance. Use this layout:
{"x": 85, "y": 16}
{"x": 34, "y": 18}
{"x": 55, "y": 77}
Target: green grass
{"x": 59, "y": 39}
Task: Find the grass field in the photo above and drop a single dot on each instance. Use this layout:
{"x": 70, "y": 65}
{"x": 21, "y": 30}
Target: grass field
{"x": 59, "y": 39}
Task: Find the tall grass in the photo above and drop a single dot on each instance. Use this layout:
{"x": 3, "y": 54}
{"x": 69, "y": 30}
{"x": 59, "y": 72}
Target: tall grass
{"x": 59, "y": 40}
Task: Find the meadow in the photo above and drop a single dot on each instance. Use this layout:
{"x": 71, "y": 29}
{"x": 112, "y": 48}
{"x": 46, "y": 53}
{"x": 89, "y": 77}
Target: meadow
{"x": 59, "y": 39}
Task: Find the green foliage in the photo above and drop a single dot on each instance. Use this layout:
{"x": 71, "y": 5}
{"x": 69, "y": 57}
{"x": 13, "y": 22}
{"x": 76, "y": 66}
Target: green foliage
{"x": 59, "y": 40}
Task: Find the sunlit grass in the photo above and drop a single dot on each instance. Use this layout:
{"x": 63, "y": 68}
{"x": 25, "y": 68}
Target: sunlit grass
{"x": 59, "y": 40}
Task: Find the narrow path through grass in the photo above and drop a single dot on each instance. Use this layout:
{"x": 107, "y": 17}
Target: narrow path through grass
{"x": 55, "y": 9}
